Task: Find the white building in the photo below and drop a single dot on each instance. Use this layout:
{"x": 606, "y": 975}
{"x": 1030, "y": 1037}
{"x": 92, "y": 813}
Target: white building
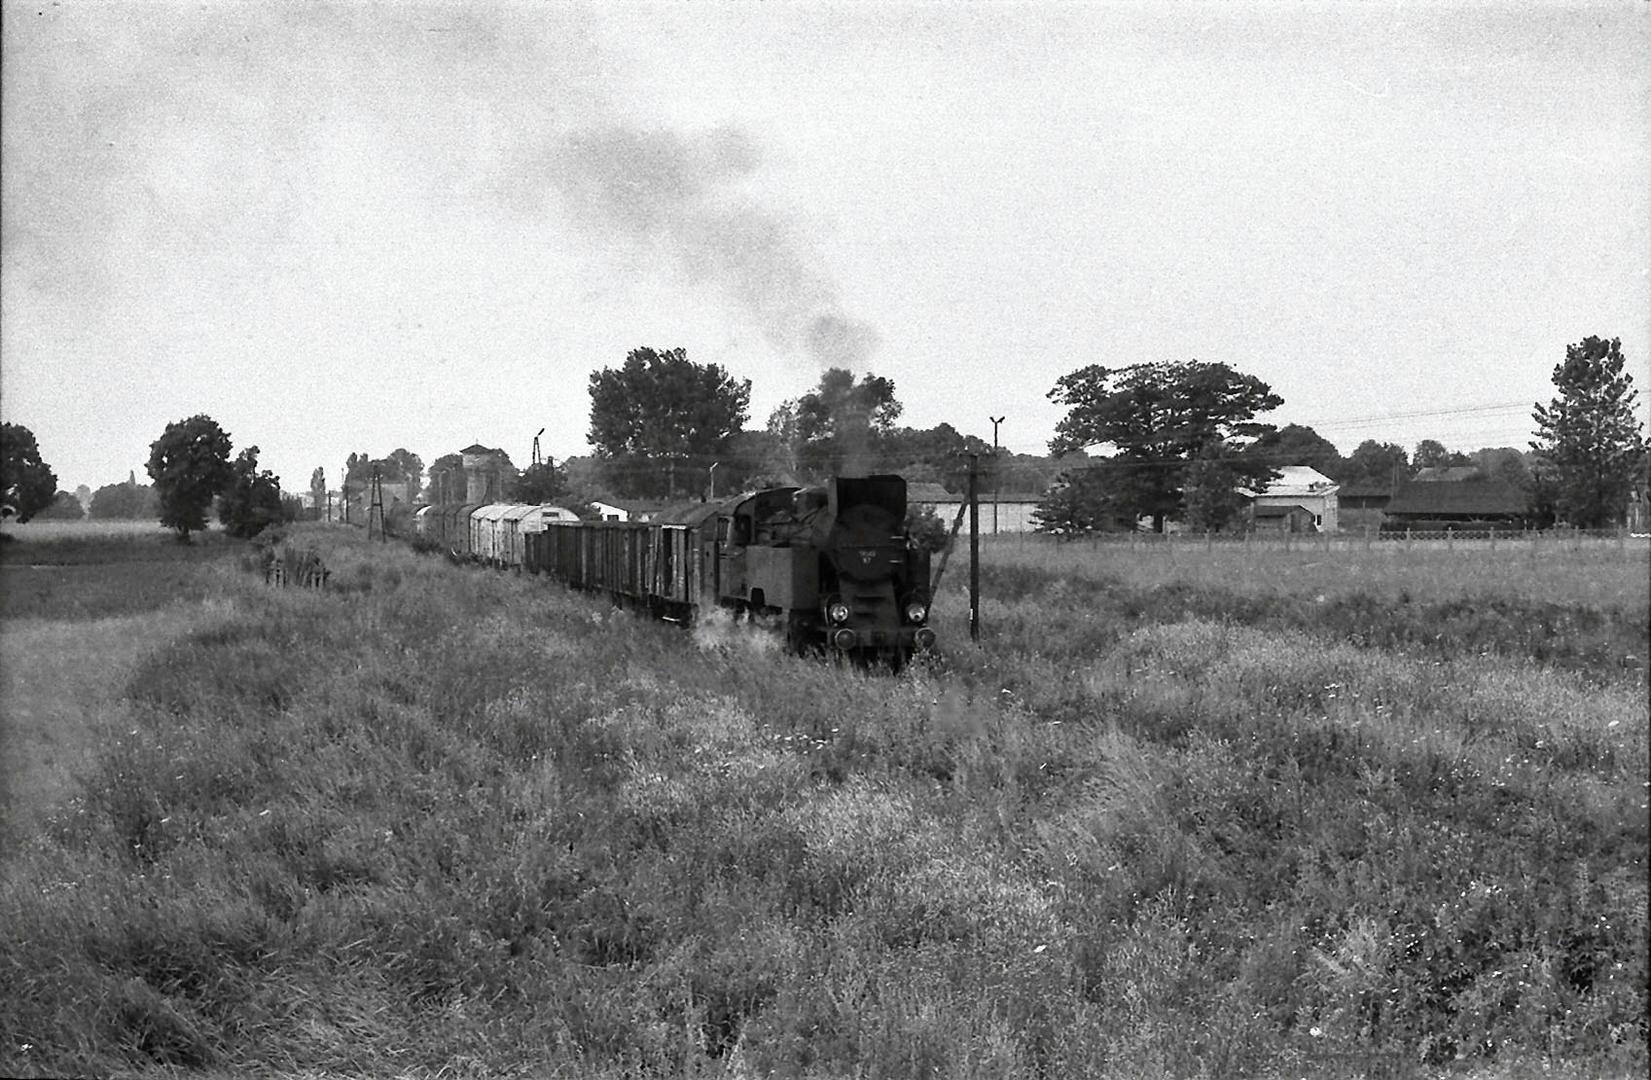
{"x": 999, "y": 513}
{"x": 1306, "y": 487}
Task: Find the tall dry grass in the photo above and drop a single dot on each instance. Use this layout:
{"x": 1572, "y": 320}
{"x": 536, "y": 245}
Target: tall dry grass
{"x": 446, "y": 820}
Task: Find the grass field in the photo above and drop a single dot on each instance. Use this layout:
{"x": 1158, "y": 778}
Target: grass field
{"x": 1218, "y": 818}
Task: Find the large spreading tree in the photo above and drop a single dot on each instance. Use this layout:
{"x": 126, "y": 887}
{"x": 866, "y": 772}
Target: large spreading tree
{"x": 1159, "y": 418}
{"x": 660, "y": 421}
{"x": 1589, "y": 443}
{"x": 27, "y": 483}
{"x": 190, "y": 465}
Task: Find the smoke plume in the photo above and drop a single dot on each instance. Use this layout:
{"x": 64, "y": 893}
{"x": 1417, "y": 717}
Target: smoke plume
{"x": 680, "y": 196}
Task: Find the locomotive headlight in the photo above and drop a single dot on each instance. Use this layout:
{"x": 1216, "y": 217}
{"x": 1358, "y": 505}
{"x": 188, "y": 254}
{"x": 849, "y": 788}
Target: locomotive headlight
{"x": 838, "y": 612}
{"x": 916, "y": 612}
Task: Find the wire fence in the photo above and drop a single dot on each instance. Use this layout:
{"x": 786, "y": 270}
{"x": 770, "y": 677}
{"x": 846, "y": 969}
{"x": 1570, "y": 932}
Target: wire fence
{"x": 1536, "y": 542}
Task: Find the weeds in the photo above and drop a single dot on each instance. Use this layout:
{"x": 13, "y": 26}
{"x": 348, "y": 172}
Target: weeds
{"x": 446, "y": 819}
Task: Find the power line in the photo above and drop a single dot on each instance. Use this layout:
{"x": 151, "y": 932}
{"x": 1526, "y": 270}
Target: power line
{"x": 1488, "y": 411}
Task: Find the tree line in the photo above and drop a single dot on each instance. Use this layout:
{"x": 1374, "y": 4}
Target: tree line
{"x": 1162, "y": 440}
{"x": 191, "y": 470}
{"x": 1181, "y": 440}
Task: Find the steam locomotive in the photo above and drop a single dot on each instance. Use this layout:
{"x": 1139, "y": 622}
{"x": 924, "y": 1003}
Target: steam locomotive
{"x": 832, "y": 566}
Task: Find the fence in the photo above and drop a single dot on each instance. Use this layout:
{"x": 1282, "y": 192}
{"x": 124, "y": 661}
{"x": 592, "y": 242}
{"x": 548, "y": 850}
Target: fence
{"x": 291, "y": 566}
{"x": 1535, "y": 541}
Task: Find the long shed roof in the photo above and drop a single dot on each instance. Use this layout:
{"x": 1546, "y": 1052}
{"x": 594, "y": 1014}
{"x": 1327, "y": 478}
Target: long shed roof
{"x": 1459, "y": 497}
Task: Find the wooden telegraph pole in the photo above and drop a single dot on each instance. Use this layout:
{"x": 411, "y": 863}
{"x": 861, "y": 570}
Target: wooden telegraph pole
{"x": 375, "y": 512}
{"x": 974, "y": 547}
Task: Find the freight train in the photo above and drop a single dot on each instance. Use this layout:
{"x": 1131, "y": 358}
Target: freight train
{"x": 832, "y": 566}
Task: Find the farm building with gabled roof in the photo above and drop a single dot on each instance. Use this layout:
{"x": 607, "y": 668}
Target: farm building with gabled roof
{"x": 1300, "y": 486}
{"x": 1450, "y": 502}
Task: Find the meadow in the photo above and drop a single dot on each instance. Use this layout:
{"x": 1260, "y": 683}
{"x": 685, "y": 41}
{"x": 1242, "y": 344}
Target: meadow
{"x": 1219, "y": 817}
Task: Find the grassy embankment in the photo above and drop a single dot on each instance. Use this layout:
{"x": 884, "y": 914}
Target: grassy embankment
{"x": 1252, "y": 822}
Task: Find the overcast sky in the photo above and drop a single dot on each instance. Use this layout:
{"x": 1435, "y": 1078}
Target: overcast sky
{"x": 353, "y": 227}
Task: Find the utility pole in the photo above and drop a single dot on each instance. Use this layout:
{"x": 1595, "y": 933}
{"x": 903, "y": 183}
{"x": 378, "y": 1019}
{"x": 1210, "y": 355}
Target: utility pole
{"x": 996, "y": 481}
{"x": 375, "y": 511}
{"x": 974, "y": 548}
{"x": 713, "y": 471}
{"x": 536, "y": 458}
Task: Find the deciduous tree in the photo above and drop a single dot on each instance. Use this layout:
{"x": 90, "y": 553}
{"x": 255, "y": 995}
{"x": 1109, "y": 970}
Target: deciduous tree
{"x": 1588, "y": 439}
{"x": 941, "y": 452}
{"x": 1211, "y": 499}
{"x": 27, "y": 483}
{"x": 540, "y": 483}
{"x": 64, "y": 507}
{"x": 838, "y": 426}
{"x": 447, "y": 484}
{"x": 251, "y": 501}
{"x": 1159, "y": 417}
{"x": 190, "y": 465}
{"x": 1297, "y": 444}
{"x": 400, "y": 466}
{"x": 1502, "y": 463}
{"x": 1083, "y": 500}
{"x": 1432, "y": 454}
{"x": 1373, "y": 462}
{"x": 129, "y": 501}
{"x": 659, "y": 414}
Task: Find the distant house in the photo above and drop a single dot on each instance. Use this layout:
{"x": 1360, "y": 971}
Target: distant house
{"x": 630, "y": 509}
{"x": 1433, "y": 505}
{"x": 1007, "y": 512}
{"x": 1298, "y": 486}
